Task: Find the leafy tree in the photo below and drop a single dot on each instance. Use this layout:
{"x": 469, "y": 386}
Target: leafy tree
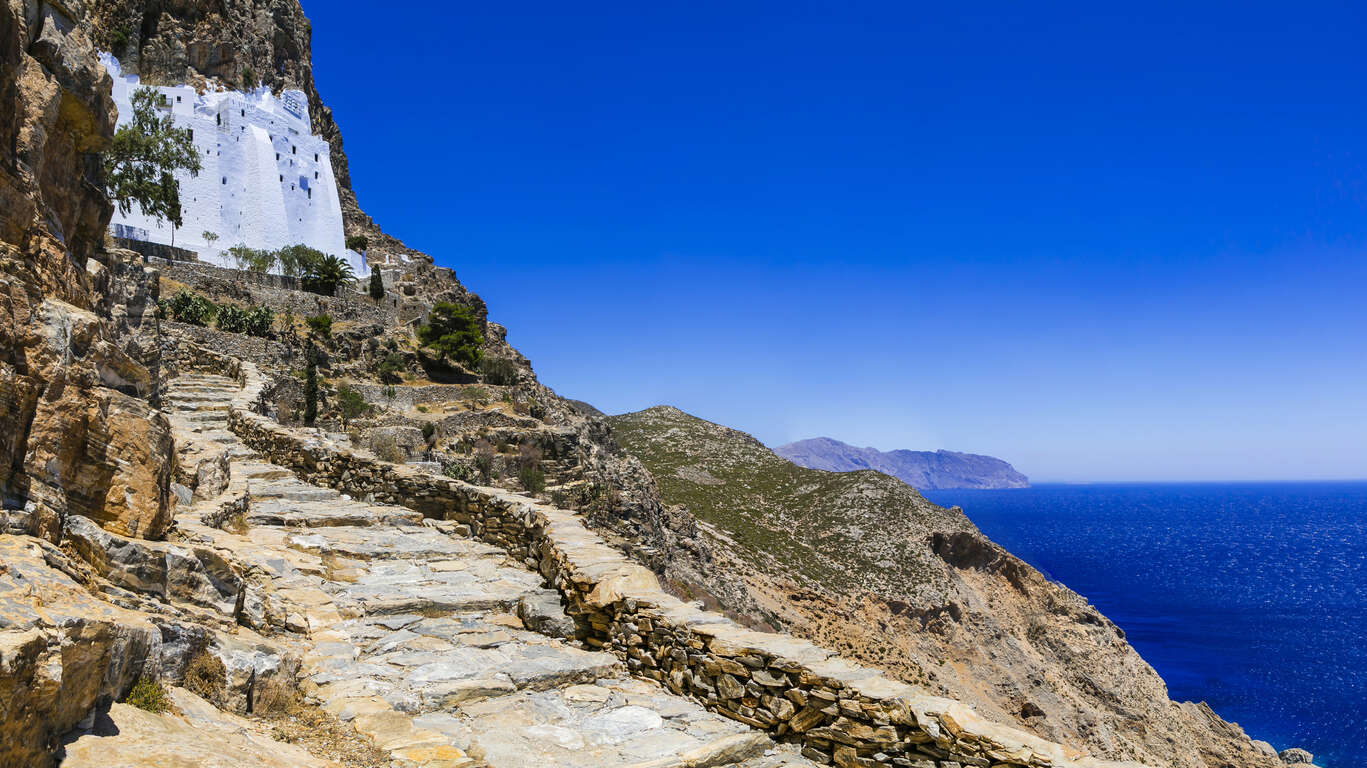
{"x": 248, "y": 78}
{"x": 453, "y": 332}
{"x": 350, "y": 404}
{"x": 321, "y": 325}
{"x": 297, "y": 260}
{"x": 142, "y": 160}
{"x": 252, "y": 259}
{"x": 310, "y": 385}
{"x": 357, "y": 242}
{"x": 376, "y": 285}
{"x": 209, "y": 237}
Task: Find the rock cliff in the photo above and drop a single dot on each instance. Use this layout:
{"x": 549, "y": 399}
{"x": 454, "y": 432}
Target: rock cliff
{"x": 926, "y": 470}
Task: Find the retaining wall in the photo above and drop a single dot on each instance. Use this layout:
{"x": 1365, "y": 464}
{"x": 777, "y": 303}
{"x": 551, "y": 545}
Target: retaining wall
{"x": 841, "y": 713}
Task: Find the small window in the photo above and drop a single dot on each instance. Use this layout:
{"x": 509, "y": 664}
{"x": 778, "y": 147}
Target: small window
{"x": 315, "y": 157}
{"x": 315, "y": 174}
{"x": 219, "y": 118}
{"x": 277, "y": 155}
{"x": 282, "y": 177}
{"x": 294, "y": 150}
{"x": 225, "y": 179}
{"x": 244, "y": 113}
{"x": 310, "y": 194}
{"x": 177, "y": 99}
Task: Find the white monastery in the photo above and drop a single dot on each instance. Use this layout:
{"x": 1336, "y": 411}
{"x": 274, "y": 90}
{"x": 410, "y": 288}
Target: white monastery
{"x": 266, "y": 180}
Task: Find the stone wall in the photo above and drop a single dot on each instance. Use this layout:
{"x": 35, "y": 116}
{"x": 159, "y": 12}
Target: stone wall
{"x": 840, "y": 713}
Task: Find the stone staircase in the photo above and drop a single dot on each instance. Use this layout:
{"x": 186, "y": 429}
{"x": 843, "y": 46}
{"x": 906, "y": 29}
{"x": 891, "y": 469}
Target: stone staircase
{"x": 443, "y": 650}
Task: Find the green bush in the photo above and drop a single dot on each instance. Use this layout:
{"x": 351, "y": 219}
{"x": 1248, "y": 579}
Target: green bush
{"x": 231, "y": 319}
{"x": 186, "y": 307}
{"x": 499, "y": 371}
{"x": 350, "y": 404}
{"x": 259, "y": 321}
{"x": 428, "y": 430}
{"x": 391, "y": 368}
{"x": 376, "y": 285}
{"x": 149, "y": 695}
{"x": 248, "y": 78}
{"x": 118, "y": 41}
{"x": 321, "y": 325}
{"x": 460, "y": 471}
{"x": 357, "y": 242}
{"x": 532, "y": 479}
{"x": 453, "y": 332}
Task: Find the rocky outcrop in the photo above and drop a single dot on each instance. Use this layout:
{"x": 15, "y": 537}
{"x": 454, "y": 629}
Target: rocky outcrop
{"x": 79, "y": 437}
{"x": 925, "y": 470}
{"x": 62, "y": 650}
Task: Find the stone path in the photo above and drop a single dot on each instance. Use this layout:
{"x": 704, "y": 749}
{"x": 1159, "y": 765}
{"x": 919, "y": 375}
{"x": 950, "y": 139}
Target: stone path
{"x": 442, "y": 649}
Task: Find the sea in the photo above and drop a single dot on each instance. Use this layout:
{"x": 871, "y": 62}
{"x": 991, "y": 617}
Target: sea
{"x": 1250, "y": 597}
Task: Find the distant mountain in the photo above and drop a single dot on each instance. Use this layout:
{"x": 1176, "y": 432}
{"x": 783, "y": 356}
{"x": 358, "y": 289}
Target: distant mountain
{"x": 926, "y": 470}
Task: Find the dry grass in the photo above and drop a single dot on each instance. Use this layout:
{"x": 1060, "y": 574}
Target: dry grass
{"x": 294, "y": 720}
{"x": 206, "y": 677}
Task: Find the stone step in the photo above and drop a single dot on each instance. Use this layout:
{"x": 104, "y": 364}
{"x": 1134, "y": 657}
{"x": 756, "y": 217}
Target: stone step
{"x": 610, "y": 722}
{"x": 291, "y": 490}
{"x": 418, "y": 543}
{"x": 310, "y": 514}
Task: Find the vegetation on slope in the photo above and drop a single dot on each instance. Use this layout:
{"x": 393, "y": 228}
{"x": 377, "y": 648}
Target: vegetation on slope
{"x": 835, "y": 531}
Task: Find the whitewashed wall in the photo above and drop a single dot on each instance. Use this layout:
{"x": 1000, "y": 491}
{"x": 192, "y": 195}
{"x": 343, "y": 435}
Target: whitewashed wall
{"x": 266, "y": 180}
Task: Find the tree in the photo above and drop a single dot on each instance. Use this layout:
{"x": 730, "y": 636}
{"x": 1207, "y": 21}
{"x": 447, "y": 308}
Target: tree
{"x": 391, "y": 368}
{"x": 252, "y": 259}
{"x": 142, "y": 160}
{"x": 350, "y": 404}
{"x": 326, "y": 274}
{"x": 453, "y": 331}
{"x": 357, "y": 243}
{"x": 209, "y": 237}
{"x": 297, "y": 260}
{"x": 310, "y": 385}
{"x": 376, "y": 285}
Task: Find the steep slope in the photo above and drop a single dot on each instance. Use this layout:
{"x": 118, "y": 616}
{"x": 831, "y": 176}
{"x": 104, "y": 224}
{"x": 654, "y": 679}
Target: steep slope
{"x": 861, "y": 562}
{"x": 928, "y": 470}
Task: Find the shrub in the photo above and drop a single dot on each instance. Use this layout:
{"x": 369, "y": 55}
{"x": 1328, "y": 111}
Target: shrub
{"x": 532, "y": 479}
{"x": 186, "y": 307}
{"x": 386, "y": 449}
{"x": 259, "y": 321}
{"x": 321, "y": 325}
{"x": 422, "y": 408}
{"x": 148, "y": 695}
{"x": 248, "y": 78}
{"x": 499, "y": 371}
{"x": 453, "y": 332}
{"x": 206, "y": 677}
{"x": 231, "y": 319}
{"x": 391, "y": 368}
{"x": 460, "y": 471}
{"x": 323, "y": 276}
{"x": 118, "y": 41}
{"x": 350, "y": 404}
{"x": 357, "y": 242}
{"x": 376, "y": 285}
{"x": 484, "y": 460}
{"x": 428, "y": 430}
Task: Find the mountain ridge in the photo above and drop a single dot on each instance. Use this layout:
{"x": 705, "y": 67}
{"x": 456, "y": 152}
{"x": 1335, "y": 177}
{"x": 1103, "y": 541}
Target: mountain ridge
{"x": 925, "y": 470}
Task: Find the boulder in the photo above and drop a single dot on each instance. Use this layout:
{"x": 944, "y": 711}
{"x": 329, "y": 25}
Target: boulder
{"x": 1296, "y": 756}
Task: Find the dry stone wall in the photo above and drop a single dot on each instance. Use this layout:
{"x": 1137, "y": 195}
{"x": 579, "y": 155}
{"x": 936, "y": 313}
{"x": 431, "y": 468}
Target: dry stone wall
{"x": 839, "y": 712}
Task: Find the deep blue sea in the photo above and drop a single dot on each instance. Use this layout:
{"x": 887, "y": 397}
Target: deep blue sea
{"x": 1251, "y": 597}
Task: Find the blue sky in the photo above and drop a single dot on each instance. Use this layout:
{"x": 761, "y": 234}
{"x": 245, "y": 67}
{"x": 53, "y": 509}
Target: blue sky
{"x": 1101, "y": 244}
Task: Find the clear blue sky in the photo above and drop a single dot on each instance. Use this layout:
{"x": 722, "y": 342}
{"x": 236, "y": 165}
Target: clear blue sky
{"x": 1101, "y": 245}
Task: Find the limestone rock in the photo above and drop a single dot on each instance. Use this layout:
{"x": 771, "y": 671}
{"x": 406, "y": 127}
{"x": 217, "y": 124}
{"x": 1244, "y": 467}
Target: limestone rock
{"x": 197, "y": 735}
{"x": 1296, "y": 756}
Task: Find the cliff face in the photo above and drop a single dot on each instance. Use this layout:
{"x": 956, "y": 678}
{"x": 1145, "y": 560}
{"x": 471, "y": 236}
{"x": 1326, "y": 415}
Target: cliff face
{"x": 927, "y": 470}
{"x": 77, "y": 358}
{"x": 860, "y": 562}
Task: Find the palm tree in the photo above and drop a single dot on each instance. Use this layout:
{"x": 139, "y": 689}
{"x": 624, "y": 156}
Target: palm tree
{"x": 324, "y": 275}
